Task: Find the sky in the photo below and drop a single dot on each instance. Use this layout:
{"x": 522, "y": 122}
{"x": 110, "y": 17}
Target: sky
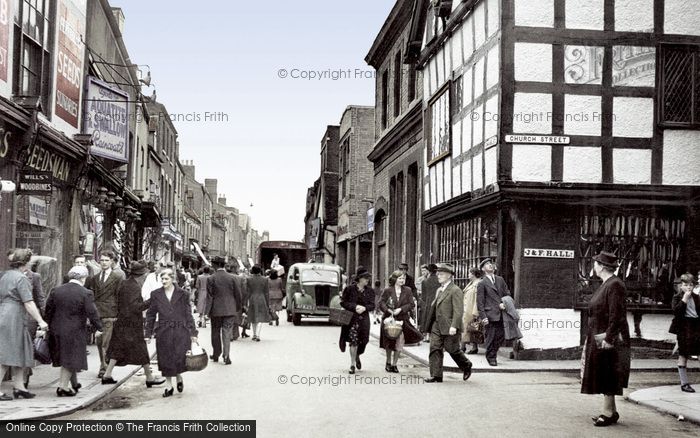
{"x": 237, "y": 76}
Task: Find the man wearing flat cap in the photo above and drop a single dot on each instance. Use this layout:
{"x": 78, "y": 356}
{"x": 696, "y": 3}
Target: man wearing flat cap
{"x": 445, "y": 322}
{"x": 489, "y": 294}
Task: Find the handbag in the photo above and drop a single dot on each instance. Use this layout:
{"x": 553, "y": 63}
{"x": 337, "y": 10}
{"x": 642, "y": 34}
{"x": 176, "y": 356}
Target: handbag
{"x": 41, "y": 350}
{"x": 339, "y": 316}
{"x": 196, "y": 358}
{"x": 475, "y": 326}
{"x": 392, "y": 328}
{"x": 600, "y": 337}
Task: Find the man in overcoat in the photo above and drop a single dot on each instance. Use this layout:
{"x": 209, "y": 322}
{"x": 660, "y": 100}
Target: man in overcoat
{"x": 224, "y": 302}
{"x": 105, "y": 286}
{"x": 429, "y": 288}
{"x": 489, "y": 294}
{"x": 445, "y": 322}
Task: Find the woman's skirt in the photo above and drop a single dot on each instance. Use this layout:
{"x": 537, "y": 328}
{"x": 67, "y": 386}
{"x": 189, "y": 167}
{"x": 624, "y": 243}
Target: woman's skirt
{"x": 276, "y": 305}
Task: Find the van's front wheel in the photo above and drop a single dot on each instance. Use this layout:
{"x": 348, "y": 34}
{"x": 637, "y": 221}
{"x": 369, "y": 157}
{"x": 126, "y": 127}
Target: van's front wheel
{"x": 296, "y": 319}
{"x": 289, "y": 316}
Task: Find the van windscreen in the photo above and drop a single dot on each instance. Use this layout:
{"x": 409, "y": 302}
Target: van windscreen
{"x": 319, "y": 276}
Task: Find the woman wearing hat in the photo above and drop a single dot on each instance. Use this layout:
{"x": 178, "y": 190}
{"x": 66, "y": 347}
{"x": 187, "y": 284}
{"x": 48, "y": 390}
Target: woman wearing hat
{"x": 686, "y": 326}
{"x": 397, "y": 301}
{"x": 359, "y": 299}
{"x": 606, "y": 366}
{"x": 16, "y": 301}
{"x": 68, "y": 308}
{"x": 471, "y": 313}
{"x": 128, "y": 346}
{"x": 257, "y": 300}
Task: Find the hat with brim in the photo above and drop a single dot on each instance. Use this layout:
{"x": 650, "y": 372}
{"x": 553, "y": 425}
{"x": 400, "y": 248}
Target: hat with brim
{"x": 363, "y": 273}
{"x": 606, "y": 259}
{"x": 445, "y": 267}
{"x": 138, "y": 268}
{"x": 483, "y": 262}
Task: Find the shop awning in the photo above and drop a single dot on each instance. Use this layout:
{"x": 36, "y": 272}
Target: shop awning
{"x": 201, "y": 254}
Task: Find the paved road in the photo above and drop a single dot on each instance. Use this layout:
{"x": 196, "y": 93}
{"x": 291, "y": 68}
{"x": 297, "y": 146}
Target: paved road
{"x": 268, "y": 383}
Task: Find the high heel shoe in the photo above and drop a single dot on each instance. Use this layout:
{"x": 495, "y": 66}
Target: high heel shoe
{"x": 394, "y": 369}
{"x": 168, "y": 392}
{"x": 5, "y": 397}
{"x": 603, "y": 421}
{"x": 352, "y": 369}
{"x": 388, "y": 368}
{"x": 180, "y": 386}
{"x": 65, "y": 393}
{"x": 154, "y": 382}
{"x": 108, "y": 381}
{"x": 18, "y": 393}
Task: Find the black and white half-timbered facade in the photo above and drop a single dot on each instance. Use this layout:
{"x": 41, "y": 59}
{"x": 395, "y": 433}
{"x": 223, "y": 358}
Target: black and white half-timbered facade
{"x": 555, "y": 129}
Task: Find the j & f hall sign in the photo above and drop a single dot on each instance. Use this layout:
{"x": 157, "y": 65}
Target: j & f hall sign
{"x": 549, "y": 253}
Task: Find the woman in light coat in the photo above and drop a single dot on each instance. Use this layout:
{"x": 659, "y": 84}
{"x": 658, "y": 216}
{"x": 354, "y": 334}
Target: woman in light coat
{"x": 471, "y": 313}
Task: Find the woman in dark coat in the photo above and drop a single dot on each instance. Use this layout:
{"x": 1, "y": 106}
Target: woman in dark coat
{"x": 257, "y": 301}
{"x": 276, "y": 288}
{"x": 359, "y": 299}
{"x": 686, "y": 326}
{"x": 397, "y": 300}
{"x": 68, "y": 308}
{"x": 176, "y": 330}
{"x": 429, "y": 288}
{"x": 128, "y": 346}
{"x": 606, "y": 368}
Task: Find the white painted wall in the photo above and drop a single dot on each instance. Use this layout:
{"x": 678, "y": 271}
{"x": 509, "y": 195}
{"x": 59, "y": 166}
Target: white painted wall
{"x": 491, "y": 166}
{"x": 477, "y": 172}
{"x": 466, "y": 176}
{"x": 457, "y": 180}
{"x": 491, "y": 118}
{"x": 681, "y": 157}
{"x": 479, "y": 25}
{"x": 584, "y": 14}
{"x": 583, "y": 115}
{"x": 7, "y": 20}
{"x": 530, "y": 113}
{"x": 478, "y": 125}
{"x": 634, "y": 15}
{"x": 583, "y": 164}
{"x": 633, "y": 117}
{"x": 533, "y": 62}
{"x": 531, "y": 13}
{"x": 532, "y": 162}
{"x": 550, "y": 328}
{"x": 492, "y": 67}
{"x": 493, "y": 16}
{"x": 631, "y": 166}
{"x": 681, "y": 17}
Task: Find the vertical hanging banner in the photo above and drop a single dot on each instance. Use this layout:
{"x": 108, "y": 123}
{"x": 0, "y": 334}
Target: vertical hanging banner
{"x": 5, "y": 14}
{"x": 69, "y": 60}
{"x": 107, "y": 120}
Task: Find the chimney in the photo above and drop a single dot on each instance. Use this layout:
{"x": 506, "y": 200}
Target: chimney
{"x": 210, "y": 185}
{"x": 119, "y": 16}
{"x": 222, "y": 200}
{"x": 188, "y": 167}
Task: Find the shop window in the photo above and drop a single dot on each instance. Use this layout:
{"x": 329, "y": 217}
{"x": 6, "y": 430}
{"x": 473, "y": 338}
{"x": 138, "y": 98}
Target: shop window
{"x": 649, "y": 248}
{"x": 679, "y": 88}
{"x": 32, "y": 57}
{"x": 465, "y": 243}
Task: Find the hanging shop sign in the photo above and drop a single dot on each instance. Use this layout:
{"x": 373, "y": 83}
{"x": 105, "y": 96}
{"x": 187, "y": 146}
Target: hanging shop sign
{"x": 45, "y": 160}
{"x": 35, "y": 183}
{"x": 315, "y": 234}
{"x": 69, "y": 59}
{"x": 549, "y": 253}
{"x": 107, "y": 120}
{"x": 38, "y": 211}
{"x": 370, "y": 219}
{"x": 538, "y": 139}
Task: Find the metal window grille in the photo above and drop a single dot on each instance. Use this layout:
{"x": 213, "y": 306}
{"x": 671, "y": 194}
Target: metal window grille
{"x": 680, "y": 86}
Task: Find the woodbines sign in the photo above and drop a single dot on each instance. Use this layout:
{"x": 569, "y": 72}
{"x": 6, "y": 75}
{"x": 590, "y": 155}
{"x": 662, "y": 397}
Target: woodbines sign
{"x": 69, "y": 60}
{"x": 107, "y": 120}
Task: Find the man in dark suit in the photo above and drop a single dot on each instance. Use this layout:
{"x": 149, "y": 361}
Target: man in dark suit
{"x": 445, "y": 322}
{"x": 105, "y": 286}
{"x": 223, "y": 303}
{"x": 489, "y": 293}
{"x": 429, "y": 288}
{"x": 410, "y": 283}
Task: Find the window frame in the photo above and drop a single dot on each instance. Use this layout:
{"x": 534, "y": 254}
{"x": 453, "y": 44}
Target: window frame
{"x": 694, "y": 51}
{"x": 444, "y": 91}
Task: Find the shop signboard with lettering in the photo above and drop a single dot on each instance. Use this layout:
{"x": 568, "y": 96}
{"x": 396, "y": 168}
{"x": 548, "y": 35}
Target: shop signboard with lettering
{"x": 549, "y": 253}
{"x": 107, "y": 120}
{"x": 5, "y": 17}
{"x": 35, "y": 183}
{"x": 70, "y": 16}
{"x": 38, "y": 211}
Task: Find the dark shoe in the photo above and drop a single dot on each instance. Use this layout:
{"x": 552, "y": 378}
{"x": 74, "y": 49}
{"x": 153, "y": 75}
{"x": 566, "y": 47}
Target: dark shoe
{"x": 603, "y": 421}
{"x": 473, "y": 351}
{"x": 227, "y": 361}
{"x": 467, "y": 372}
{"x": 77, "y": 387}
{"x": 687, "y": 388}
{"x": 352, "y": 370}
{"x": 154, "y": 382}
{"x": 168, "y": 392}
{"x": 615, "y": 417}
{"x": 433, "y": 380}
{"x": 394, "y": 369}
{"x": 358, "y": 363}
{"x": 388, "y": 368}
{"x": 180, "y": 386}
{"x": 214, "y": 358}
{"x": 18, "y": 393}
{"x": 244, "y": 335}
{"x": 5, "y": 397}
{"x": 63, "y": 393}
{"x": 108, "y": 381}
{"x": 493, "y": 362}
{"x": 199, "y": 323}
{"x": 256, "y": 339}
{"x": 100, "y": 374}
{"x": 277, "y": 321}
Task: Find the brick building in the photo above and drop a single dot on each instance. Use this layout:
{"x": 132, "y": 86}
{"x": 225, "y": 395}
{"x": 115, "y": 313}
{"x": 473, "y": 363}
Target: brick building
{"x": 355, "y": 177}
{"x": 556, "y": 129}
{"x": 397, "y": 154}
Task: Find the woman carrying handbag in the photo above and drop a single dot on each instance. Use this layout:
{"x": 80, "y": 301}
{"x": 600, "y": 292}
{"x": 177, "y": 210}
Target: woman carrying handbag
{"x": 359, "y": 299}
{"x": 473, "y": 328}
{"x": 396, "y": 304}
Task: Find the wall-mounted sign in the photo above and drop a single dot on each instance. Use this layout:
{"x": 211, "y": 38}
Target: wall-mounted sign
{"x": 537, "y": 139}
{"x": 45, "y": 160}
{"x": 491, "y": 141}
{"x": 35, "y": 183}
{"x": 5, "y": 16}
{"x": 549, "y": 253}
{"x": 69, "y": 60}
{"x": 315, "y": 234}
{"x": 107, "y": 120}
{"x": 38, "y": 211}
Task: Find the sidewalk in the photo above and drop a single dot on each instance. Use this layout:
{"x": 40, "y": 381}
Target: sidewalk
{"x": 44, "y": 382}
{"x": 670, "y": 400}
